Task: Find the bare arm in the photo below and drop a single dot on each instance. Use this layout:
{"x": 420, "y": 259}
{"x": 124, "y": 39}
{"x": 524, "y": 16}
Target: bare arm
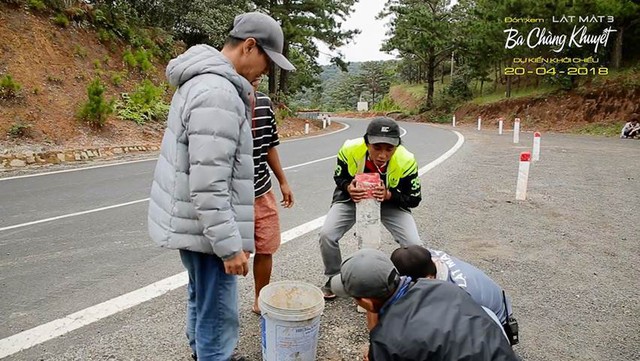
{"x": 274, "y": 163}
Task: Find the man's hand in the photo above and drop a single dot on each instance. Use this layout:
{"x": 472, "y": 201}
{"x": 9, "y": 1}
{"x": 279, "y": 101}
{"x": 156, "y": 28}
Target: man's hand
{"x": 366, "y": 353}
{"x": 380, "y": 193}
{"x": 357, "y": 194}
{"x": 237, "y": 265}
{"x": 287, "y": 196}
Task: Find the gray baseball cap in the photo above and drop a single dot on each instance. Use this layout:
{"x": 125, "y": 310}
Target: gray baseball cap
{"x": 267, "y": 33}
{"x": 368, "y": 273}
{"x": 383, "y": 130}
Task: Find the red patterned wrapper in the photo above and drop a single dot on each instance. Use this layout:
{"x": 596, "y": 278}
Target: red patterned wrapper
{"x": 369, "y": 181}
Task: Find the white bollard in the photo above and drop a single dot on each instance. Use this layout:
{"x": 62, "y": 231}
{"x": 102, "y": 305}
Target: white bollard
{"x": 500, "y": 126}
{"x": 454, "y": 121}
{"x": 516, "y": 131}
{"x": 479, "y": 123}
{"x": 523, "y": 176}
{"x": 368, "y": 224}
{"x": 535, "y": 155}
{"x": 306, "y": 127}
{"x": 368, "y": 213}
{"x": 324, "y": 122}
{"x": 328, "y": 119}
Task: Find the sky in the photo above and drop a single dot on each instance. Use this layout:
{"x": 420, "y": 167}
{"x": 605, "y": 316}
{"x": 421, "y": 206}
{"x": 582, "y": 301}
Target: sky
{"x": 366, "y": 45}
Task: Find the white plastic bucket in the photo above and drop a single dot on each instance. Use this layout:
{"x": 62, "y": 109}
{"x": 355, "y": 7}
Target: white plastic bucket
{"x": 290, "y": 321}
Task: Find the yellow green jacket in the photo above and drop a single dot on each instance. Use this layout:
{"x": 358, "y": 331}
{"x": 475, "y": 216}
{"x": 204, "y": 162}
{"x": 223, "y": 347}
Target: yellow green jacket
{"x": 401, "y": 177}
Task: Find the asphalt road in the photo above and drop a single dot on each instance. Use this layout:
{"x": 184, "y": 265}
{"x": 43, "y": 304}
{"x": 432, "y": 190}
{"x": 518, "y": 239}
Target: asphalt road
{"x": 52, "y": 269}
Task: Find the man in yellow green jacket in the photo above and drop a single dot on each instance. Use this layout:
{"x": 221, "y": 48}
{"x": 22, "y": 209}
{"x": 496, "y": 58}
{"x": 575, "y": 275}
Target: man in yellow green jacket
{"x": 379, "y": 151}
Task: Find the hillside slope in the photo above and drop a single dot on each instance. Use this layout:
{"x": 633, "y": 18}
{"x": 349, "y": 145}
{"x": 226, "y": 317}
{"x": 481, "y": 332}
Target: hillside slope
{"x": 598, "y": 106}
{"x": 54, "y": 65}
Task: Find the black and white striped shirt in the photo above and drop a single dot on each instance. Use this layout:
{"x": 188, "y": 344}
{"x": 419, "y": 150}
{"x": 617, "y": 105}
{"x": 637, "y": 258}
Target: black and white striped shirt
{"x": 265, "y": 136}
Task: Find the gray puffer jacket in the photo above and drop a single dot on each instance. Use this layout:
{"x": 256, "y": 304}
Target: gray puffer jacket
{"x": 202, "y": 191}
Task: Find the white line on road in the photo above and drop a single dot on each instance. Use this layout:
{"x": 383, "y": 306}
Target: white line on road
{"x": 78, "y": 169}
{"x": 72, "y": 215}
{"x": 346, "y": 126}
{"x": 61, "y": 326}
{"x": 443, "y": 157}
{"x": 310, "y": 162}
{"x": 126, "y": 203}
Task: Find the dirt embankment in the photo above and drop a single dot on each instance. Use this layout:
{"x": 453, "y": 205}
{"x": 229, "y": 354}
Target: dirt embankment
{"x": 404, "y": 98}
{"x": 54, "y": 66}
{"x": 607, "y": 104}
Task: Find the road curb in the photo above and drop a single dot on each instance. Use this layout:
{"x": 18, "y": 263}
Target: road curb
{"x": 24, "y": 160}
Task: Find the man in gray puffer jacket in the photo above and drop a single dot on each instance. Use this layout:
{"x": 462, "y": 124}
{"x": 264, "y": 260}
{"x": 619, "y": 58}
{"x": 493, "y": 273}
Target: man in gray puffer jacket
{"x": 202, "y": 193}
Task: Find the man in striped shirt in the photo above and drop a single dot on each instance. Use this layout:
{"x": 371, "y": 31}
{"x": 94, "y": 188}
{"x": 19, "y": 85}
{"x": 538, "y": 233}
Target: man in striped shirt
{"x": 267, "y": 224}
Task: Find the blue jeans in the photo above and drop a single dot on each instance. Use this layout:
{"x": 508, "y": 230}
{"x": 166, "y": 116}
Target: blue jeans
{"x": 212, "y": 307}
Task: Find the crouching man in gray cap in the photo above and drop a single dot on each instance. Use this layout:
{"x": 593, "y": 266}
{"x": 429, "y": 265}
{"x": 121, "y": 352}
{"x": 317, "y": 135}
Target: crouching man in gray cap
{"x": 427, "y": 320}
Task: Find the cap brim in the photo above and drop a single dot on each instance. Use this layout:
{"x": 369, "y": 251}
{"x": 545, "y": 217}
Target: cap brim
{"x": 337, "y": 287}
{"x": 386, "y": 140}
{"x": 280, "y": 60}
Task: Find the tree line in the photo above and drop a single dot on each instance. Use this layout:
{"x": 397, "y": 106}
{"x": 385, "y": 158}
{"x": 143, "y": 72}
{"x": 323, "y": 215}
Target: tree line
{"x": 428, "y": 35}
{"x": 431, "y": 34}
{"x": 208, "y": 22}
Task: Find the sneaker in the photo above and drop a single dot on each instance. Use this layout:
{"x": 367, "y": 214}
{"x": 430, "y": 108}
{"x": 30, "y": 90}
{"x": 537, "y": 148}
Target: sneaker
{"x": 327, "y": 292}
{"x": 194, "y": 357}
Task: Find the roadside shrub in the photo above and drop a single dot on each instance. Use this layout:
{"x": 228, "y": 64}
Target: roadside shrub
{"x": 80, "y": 51}
{"x": 9, "y": 88}
{"x": 458, "y": 89}
{"x": 36, "y": 5}
{"x": 105, "y": 36}
{"x": 282, "y": 112}
{"x": 117, "y": 79}
{"x": 57, "y": 5}
{"x": 97, "y": 108}
{"x": 129, "y": 59}
{"x": 61, "y": 20}
{"x": 75, "y": 13}
{"x": 386, "y": 105}
{"x": 145, "y": 104}
{"x": 143, "y": 59}
{"x": 19, "y": 130}
{"x": 97, "y": 64}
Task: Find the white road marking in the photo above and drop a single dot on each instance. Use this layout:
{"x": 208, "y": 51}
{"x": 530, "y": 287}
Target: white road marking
{"x": 77, "y": 169}
{"x": 124, "y": 204}
{"x": 444, "y": 156}
{"x": 39, "y": 334}
{"x": 310, "y": 162}
{"x": 346, "y": 126}
{"x": 74, "y": 321}
{"x": 72, "y": 215}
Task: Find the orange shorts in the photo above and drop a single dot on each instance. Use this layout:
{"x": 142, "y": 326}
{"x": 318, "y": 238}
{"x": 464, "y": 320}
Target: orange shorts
{"x": 267, "y": 224}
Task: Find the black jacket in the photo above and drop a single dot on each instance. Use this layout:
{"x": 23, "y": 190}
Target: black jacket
{"x": 437, "y": 321}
